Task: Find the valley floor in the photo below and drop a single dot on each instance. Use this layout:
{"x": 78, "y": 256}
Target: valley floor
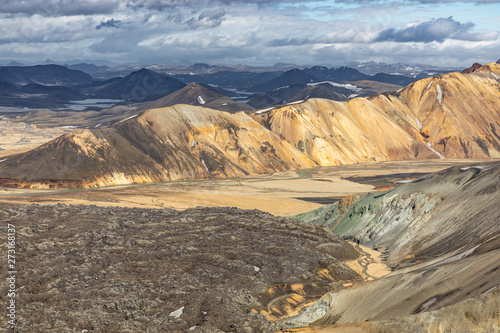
{"x": 282, "y": 194}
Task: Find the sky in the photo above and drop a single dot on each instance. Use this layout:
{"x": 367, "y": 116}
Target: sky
{"x": 447, "y": 33}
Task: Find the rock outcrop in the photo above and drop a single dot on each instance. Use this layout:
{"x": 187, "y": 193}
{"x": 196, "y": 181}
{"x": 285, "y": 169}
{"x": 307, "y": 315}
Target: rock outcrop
{"x": 105, "y": 269}
{"x": 441, "y": 236}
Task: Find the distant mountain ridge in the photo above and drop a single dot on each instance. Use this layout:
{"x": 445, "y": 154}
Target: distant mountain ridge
{"x": 452, "y": 115}
{"x": 139, "y": 86}
{"x": 54, "y": 75}
{"x": 198, "y": 95}
{"x": 291, "y": 77}
{"x": 350, "y": 74}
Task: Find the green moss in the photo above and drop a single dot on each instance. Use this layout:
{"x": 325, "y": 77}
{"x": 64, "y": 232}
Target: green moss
{"x": 300, "y": 145}
{"x": 324, "y": 216}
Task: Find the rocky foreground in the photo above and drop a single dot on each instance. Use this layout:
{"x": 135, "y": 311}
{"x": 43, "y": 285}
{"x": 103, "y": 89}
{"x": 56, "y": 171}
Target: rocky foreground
{"x": 138, "y": 270}
{"x": 441, "y": 235}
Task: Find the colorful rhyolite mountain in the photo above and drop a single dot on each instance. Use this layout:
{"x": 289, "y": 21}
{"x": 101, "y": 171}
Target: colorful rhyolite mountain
{"x": 454, "y": 115}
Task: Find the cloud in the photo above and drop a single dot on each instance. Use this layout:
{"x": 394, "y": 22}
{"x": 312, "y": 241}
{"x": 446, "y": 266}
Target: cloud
{"x": 207, "y": 19}
{"x": 290, "y": 41}
{"x": 241, "y": 31}
{"x": 435, "y": 30}
{"x": 109, "y": 24}
{"x": 53, "y": 8}
{"x": 364, "y": 2}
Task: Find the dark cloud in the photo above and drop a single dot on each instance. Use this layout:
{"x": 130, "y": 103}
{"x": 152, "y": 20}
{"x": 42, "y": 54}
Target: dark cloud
{"x": 54, "y": 8}
{"x": 89, "y": 7}
{"x": 289, "y": 42}
{"x": 109, "y": 24}
{"x": 207, "y": 19}
{"x": 437, "y": 30}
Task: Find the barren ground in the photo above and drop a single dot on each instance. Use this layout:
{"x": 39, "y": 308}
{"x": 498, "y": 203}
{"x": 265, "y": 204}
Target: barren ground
{"x": 19, "y": 137}
{"x": 284, "y": 194}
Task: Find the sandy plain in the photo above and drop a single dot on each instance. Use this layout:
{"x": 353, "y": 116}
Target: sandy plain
{"x": 16, "y": 138}
{"x": 283, "y": 194}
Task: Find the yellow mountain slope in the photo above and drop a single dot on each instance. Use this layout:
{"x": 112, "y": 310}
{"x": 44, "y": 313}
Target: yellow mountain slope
{"x": 454, "y": 115}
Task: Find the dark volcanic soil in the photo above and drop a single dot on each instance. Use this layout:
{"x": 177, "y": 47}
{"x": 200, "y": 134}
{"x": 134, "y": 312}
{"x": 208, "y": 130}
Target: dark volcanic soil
{"x": 126, "y": 269}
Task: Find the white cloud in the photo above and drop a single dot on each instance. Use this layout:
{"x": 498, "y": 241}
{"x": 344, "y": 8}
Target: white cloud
{"x": 246, "y": 31}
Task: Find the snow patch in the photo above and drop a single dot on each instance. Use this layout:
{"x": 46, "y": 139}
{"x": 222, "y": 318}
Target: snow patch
{"x": 192, "y": 143}
{"x": 192, "y": 328}
{"x": 256, "y": 269}
{"x": 435, "y": 151}
{"x": 439, "y": 96}
{"x": 296, "y": 102}
{"x": 203, "y": 162}
{"x": 121, "y": 121}
{"x": 284, "y": 87}
{"x": 491, "y": 289}
{"x": 352, "y": 96}
{"x": 5, "y": 159}
{"x": 68, "y": 127}
{"x": 97, "y": 125}
{"x": 419, "y": 124}
{"x": 481, "y": 168}
{"x": 200, "y": 100}
{"x": 177, "y": 313}
{"x": 264, "y": 110}
{"x": 495, "y": 76}
{"x": 224, "y": 104}
{"x": 335, "y": 84}
{"x": 429, "y": 85}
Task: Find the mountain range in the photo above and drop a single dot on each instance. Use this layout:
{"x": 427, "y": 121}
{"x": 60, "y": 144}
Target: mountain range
{"x": 49, "y": 75}
{"x": 143, "y": 85}
{"x": 452, "y": 115}
{"x": 148, "y": 84}
{"x": 198, "y": 95}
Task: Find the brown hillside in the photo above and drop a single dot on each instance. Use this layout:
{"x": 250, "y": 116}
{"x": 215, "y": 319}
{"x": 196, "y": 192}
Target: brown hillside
{"x": 198, "y": 95}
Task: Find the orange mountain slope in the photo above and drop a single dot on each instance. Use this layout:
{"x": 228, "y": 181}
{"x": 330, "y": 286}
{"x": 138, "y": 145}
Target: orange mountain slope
{"x": 454, "y": 115}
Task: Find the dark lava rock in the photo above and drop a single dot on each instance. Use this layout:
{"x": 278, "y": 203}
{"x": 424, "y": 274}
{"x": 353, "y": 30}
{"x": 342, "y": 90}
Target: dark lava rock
{"x": 106, "y": 269}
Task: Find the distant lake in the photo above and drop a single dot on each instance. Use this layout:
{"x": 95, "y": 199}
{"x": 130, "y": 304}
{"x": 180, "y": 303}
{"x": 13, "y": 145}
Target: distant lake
{"x": 95, "y": 103}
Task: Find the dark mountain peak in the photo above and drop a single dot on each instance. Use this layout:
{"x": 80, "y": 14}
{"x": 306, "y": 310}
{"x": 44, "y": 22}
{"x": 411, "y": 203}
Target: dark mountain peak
{"x": 139, "y": 86}
{"x": 498, "y": 61}
{"x": 347, "y": 69}
{"x": 299, "y": 76}
{"x": 472, "y": 68}
{"x": 15, "y": 63}
{"x": 200, "y": 88}
{"x": 87, "y": 68}
{"x": 318, "y": 68}
{"x": 49, "y": 62}
{"x": 291, "y": 77}
{"x": 199, "y": 95}
{"x": 44, "y": 74}
{"x": 200, "y": 66}
{"x": 142, "y": 71}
